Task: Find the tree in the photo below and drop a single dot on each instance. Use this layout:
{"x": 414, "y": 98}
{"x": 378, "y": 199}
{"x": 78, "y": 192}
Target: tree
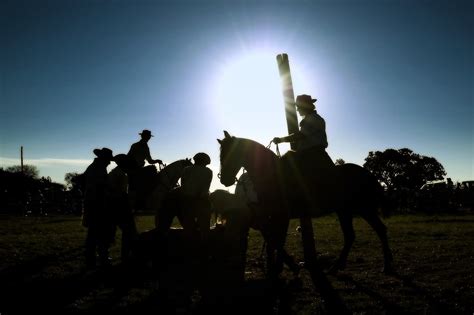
{"x": 74, "y": 181}
{"x": 340, "y": 162}
{"x": 28, "y": 170}
{"x": 403, "y": 168}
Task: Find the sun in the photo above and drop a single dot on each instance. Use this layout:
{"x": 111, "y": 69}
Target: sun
{"x": 247, "y": 96}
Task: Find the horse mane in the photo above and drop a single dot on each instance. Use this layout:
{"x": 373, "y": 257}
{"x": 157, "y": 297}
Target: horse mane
{"x": 247, "y": 145}
{"x": 173, "y": 164}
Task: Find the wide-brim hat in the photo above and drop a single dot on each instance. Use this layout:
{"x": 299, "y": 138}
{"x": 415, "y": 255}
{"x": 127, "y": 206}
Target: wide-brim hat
{"x": 202, "y": 158}
{"x": 305, "y": 101}
{"x": 146, "y": 132}
{"x": 104, "y": 153}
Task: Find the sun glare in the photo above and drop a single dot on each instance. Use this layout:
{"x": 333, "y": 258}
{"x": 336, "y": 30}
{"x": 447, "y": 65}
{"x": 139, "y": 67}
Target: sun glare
{"x": 247, "y": 97}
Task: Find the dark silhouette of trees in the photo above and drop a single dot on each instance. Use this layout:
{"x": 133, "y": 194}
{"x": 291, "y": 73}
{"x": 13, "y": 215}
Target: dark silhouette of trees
{"x": 75, "y": 184}
{"x": 28, "y": 170}
{"x": 403, "y": 169}
{"x": 26, "y": 193}
{"x": 74, "y": 181}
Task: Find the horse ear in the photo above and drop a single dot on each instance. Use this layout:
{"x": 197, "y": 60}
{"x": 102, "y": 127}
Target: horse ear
{"x": 226, "y": 134}
{"x": 219, "y": 140}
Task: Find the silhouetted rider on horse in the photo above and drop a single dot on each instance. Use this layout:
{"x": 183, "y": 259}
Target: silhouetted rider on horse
{"x": 310, "y": 155}
{"x": 140, "y": 152}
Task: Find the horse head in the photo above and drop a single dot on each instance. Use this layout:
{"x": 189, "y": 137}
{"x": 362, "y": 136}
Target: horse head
{"x": 231, "y": 159}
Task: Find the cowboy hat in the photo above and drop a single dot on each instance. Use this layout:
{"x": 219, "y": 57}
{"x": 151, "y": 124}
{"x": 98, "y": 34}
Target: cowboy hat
{"x": 104, "y": 153}
{"x": 202, "y": 158}
{"x": 146, "y": 132}
{"x": 305, "y": 101}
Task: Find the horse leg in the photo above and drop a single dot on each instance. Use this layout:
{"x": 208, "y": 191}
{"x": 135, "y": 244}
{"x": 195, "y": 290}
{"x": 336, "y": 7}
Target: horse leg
{"x": 290, "y": 262}
{"x": 270, "y": 248}
{"x": 307, "y": 237}
{"x": 345, "y": 220}
{"x": 275, "y": 251}
{"x": 272, "y": 270}
{"x": 333, "y": 301}
{"x": 381, "y": 230}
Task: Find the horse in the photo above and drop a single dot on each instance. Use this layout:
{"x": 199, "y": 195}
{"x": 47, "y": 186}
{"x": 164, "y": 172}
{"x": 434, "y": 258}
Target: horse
{"x": 284, "y": 193}
{"x": 152, "y": 186}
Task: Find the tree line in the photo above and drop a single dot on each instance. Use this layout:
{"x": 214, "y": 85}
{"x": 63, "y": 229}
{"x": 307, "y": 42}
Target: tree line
{"x": 412, "y": 183}
{"x": 24, "y": 192}
{"x": 415, "y": 182}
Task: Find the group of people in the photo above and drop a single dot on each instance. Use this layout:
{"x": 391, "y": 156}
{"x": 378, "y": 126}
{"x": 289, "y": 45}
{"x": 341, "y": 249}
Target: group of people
{"x": 107, "y": 199}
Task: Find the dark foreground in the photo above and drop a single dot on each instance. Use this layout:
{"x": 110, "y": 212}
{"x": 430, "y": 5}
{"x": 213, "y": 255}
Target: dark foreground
{"x": 41, "y": 270}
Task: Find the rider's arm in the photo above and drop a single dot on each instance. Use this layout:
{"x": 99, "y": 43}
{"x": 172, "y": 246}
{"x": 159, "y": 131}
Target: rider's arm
{"x": 149, "y": 159}
{"x": 291, "y": 138}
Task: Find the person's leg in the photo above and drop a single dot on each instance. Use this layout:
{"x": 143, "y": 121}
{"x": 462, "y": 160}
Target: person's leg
{"x": 203, "y": 209}
{"x": 90, "y": 247}
{"x": 90, "y": 221}
{"x": 129, "y": 233}
{"x": 106, "y": 236}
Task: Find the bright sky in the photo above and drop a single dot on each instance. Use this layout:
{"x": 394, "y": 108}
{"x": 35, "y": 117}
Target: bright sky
{"x": 79, "y": 75}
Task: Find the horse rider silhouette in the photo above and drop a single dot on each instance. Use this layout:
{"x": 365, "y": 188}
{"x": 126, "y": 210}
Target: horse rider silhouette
{"x": 310, "y": 155}
{"x": 140, "y": 152}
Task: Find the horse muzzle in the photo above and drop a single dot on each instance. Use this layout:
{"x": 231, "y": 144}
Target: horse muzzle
{"x": 227, "y": 180}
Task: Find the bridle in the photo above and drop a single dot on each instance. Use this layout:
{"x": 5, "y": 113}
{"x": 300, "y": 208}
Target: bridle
{"x": 235, "y": 179}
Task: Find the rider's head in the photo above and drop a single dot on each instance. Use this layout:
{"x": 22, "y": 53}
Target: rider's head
{"x": 202, "y": 158}
{"x": 105, "y": 155}
{"x": 305, "y": 104}
{"x": 146, "y": 135}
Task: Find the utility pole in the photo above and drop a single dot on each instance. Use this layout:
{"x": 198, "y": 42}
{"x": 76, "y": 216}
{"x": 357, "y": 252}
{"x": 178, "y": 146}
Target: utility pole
{"x": 288, "y": 95}
{"x": 21, "y": 159}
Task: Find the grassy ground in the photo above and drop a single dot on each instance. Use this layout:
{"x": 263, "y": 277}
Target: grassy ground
{"x": 41, "y": 270}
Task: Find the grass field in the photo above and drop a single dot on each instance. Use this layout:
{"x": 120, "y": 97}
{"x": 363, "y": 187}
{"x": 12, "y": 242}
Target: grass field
{"x": 41, "y": 269}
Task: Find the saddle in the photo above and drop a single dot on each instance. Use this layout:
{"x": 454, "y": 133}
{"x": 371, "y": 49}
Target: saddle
{"x": 310, "y": 176}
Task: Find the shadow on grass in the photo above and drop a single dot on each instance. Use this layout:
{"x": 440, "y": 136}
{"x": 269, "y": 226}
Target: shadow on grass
{"x": 175, "y": 288}
{"x": 25, "y": 290}
{"x": 433, "y": 304}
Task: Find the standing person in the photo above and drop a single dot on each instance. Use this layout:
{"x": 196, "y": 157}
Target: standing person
{"x": 96, "y": 215}
{"x": 311, "y": 139}
{"x": 119, "y": 204}
{"x": 195, "y": 184}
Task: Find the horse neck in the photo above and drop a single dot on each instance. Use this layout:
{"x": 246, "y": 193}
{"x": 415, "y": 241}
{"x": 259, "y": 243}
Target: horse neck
{"x": 172, "y": 173}
{"x": 259, "y": 162}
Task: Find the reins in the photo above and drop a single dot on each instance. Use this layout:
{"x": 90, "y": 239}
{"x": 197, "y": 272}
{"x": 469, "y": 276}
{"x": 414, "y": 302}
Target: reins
{"x": 277, "y": 148}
